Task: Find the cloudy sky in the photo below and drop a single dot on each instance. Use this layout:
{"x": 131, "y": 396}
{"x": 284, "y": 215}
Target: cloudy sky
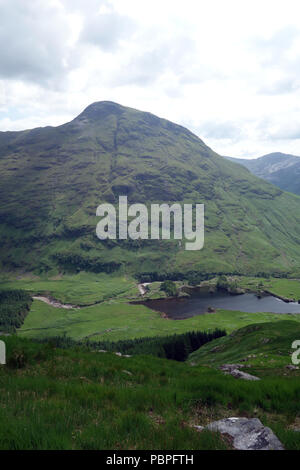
{"x": 227, "y": 70}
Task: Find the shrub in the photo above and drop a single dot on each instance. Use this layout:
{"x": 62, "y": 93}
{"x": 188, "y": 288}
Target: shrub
{"x": 169, "y": 287}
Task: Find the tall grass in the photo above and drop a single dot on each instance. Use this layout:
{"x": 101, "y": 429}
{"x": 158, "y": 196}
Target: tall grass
{"x": 75, "y": 399}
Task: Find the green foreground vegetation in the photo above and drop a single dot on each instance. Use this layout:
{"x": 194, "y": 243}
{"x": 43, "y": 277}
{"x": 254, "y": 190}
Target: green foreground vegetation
{"x": 74, "y": 399}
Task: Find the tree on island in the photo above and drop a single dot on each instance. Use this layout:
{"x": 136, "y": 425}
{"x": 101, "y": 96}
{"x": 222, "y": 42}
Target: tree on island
{"x": 169, "y": 287}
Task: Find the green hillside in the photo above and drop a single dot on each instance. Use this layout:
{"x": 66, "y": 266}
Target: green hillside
{"x": 55, "y": 398}
{"x": 264, "y": 345}
{"x": 52, "y": 179}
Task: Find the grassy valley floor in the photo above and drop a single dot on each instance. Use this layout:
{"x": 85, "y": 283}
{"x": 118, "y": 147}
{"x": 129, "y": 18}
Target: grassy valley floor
{"x": 114, "y": 318}
{"x": 79, "y": 289}
{"x": 115, "y": 321}
{"x": 79, "y": 398}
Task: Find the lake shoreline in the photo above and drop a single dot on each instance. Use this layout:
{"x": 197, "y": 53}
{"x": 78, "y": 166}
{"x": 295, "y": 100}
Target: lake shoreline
{"x": 209, "y": 300}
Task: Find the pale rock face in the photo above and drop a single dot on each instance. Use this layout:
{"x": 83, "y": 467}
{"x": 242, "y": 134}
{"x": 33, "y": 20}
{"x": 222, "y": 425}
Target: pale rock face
{"x": 247, "y": 434}
{"x": 233, "y": 369}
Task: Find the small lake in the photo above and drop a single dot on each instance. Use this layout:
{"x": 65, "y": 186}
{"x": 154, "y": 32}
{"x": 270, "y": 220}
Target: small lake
{"x": 199, "y": 302}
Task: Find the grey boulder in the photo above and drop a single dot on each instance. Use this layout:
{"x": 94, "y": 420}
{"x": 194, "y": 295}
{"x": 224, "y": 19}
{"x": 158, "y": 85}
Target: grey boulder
{"x": 247, "y": 434}
{"x": 238, "y": 374}
{"x": 233, "y": 369}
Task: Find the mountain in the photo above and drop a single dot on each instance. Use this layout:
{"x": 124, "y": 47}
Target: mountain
{"x": 52, "y": 179}
{"x": 281, "y": 169}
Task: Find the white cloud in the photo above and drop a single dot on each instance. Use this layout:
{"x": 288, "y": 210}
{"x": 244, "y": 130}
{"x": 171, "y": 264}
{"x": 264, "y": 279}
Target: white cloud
{"x": 227, "y": 70}
{"x": 33, "y": 41}
{"x": 106, "y": 29}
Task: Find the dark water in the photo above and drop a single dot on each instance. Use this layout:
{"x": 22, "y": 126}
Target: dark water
{"x": 198, "y": 304}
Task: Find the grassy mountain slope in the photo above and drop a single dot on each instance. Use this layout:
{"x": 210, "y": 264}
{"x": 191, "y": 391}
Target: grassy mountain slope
{"x": 52, "y": 179}
{"x": 75, "y": 399}
{"x": 264, "y": 345}
{"x": 280, "y": 169}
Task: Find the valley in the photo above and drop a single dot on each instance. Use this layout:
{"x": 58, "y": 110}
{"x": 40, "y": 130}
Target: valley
{"x": 149, "y": 231}
{"x": 115, "y": 311}
{"x": 138, "y": 335}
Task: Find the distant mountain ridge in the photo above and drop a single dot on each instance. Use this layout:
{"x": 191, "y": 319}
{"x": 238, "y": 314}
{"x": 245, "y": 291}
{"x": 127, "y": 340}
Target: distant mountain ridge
{"x": 281, "y": 169}
{"x": 52, "y": 179}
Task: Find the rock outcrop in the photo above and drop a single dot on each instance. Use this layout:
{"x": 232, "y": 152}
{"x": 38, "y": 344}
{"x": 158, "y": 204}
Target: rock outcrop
{"x": 233, "y": 369}
{"x": 247, "y": 434}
